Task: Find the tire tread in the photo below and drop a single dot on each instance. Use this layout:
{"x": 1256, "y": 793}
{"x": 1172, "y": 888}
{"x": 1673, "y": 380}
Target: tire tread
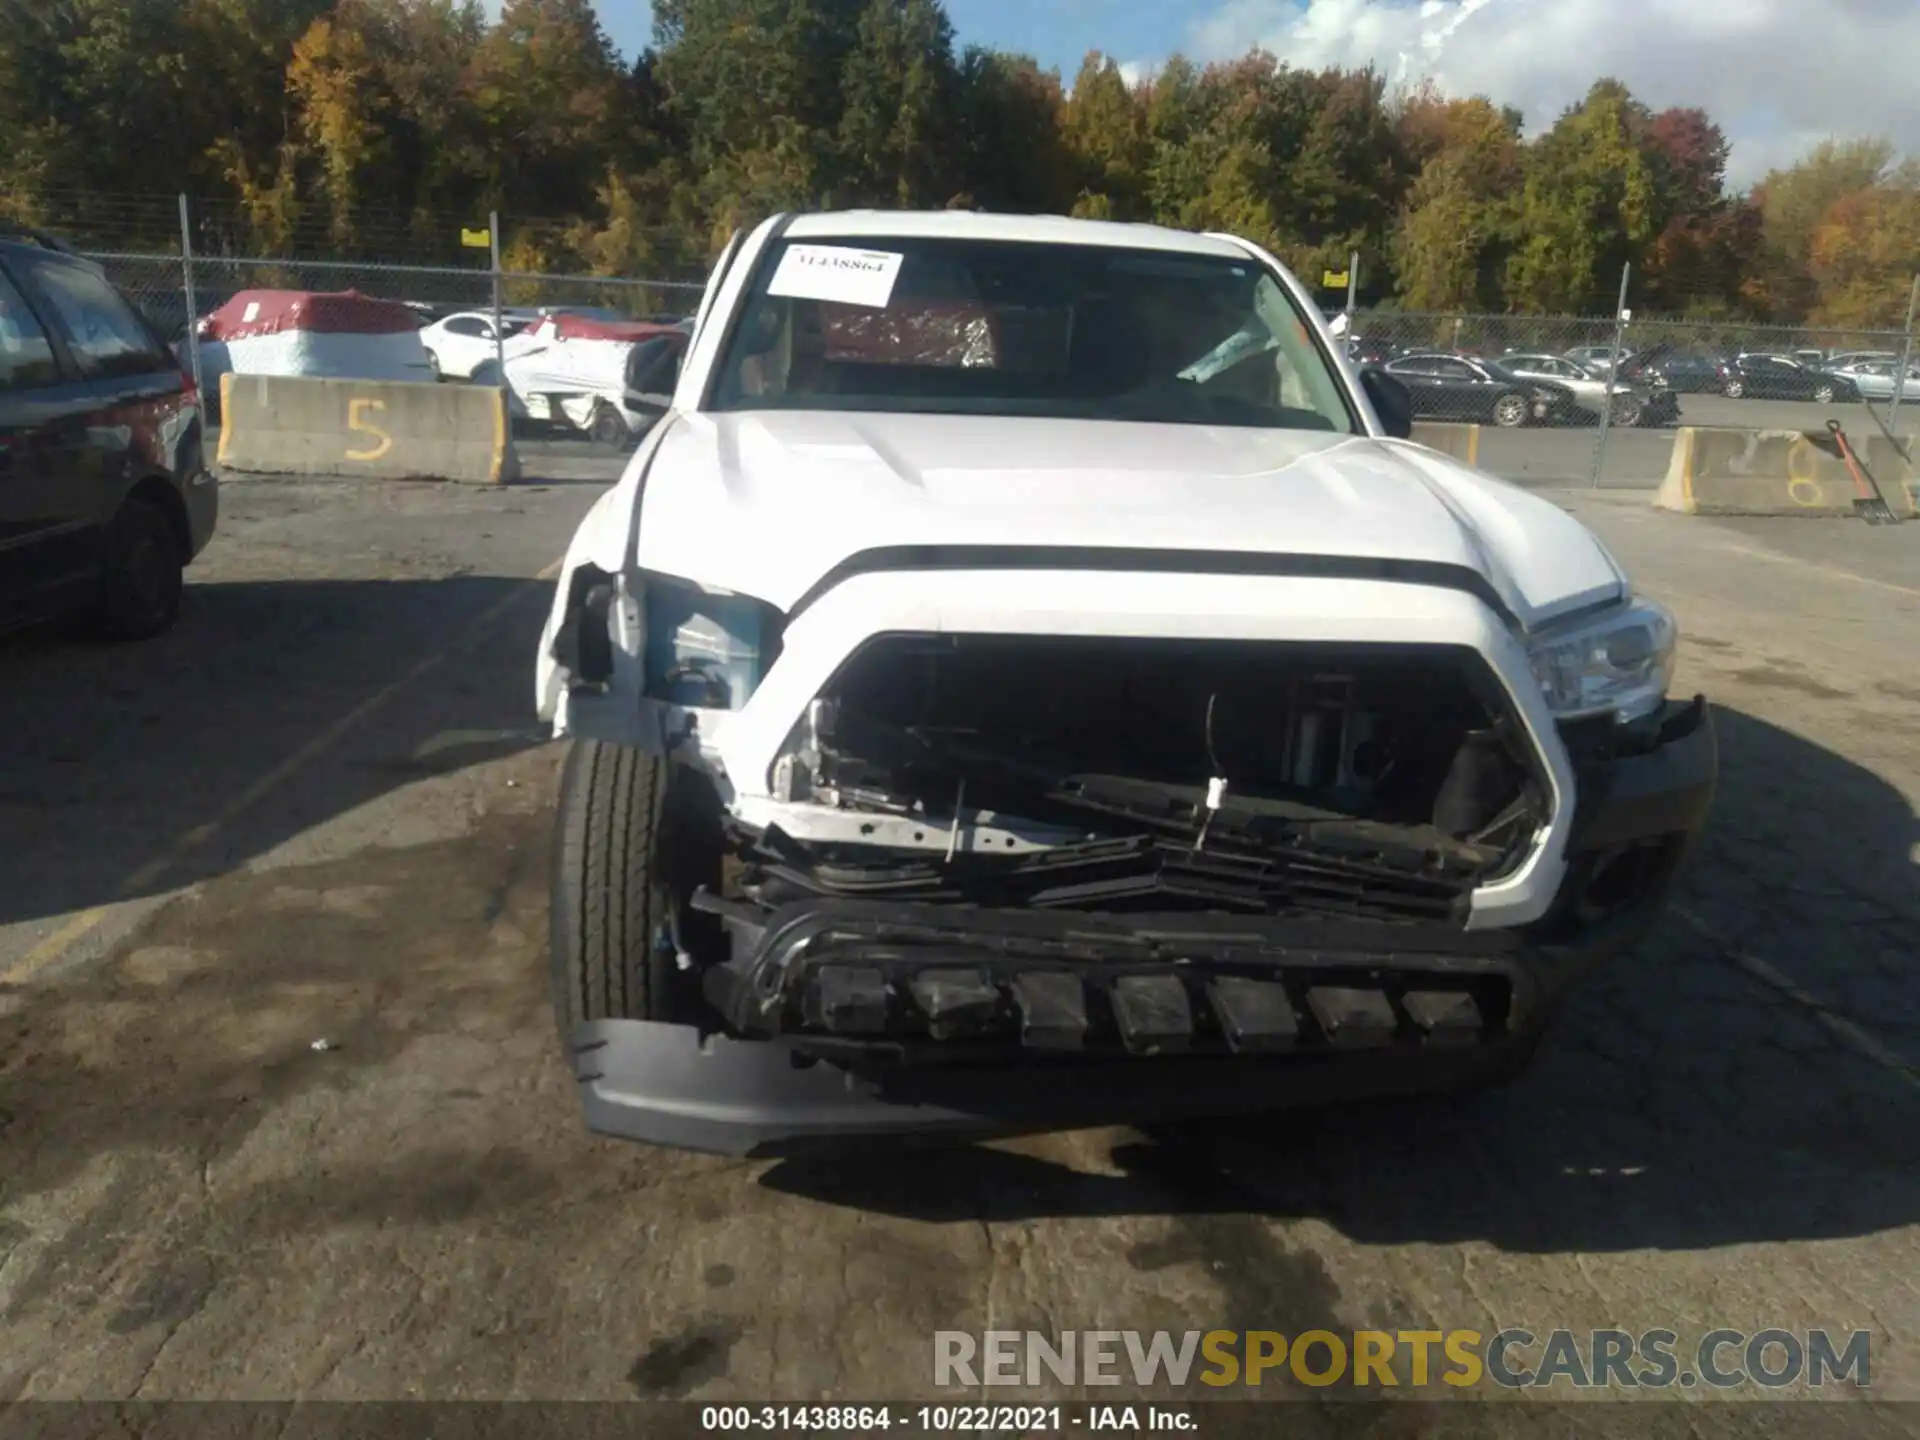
{"x": 605, "y": 857}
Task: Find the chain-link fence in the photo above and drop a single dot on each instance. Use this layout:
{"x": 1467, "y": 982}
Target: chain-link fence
{"x": 158, "y": 284}
{"x": 1593, "y": 399}
{"x": 1568, "y": 398}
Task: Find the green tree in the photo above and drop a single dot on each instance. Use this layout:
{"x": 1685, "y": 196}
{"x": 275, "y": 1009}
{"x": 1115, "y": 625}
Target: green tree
{"x": 1454, "y": 233}
{"x": 900, "y": 90}
{"x": 1014, "y": 152}
{"x": 547, "y": 86}
{"x": 1587, "y": 208}
{"x": 1104, "y": 125}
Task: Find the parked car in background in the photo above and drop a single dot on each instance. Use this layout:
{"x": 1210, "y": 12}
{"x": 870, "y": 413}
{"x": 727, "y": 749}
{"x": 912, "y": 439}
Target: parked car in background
{"x": 1684, "y": 372}
{"x": 1875, "y": 379}
{"x": 461, "y": 343}
{"x": 1597, "y": 358}
{"x": 607, "y": 378}
{"x": 1459, "y": 387}
{"x": 1777, "y": 377}
{"x": 587, "y": 312}
{"x": 1846, "y": 359}
{"x": 105, "y": 495}
{"x": 1633, "y": 403}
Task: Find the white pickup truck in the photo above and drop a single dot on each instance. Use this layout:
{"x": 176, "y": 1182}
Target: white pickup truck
{"x": 1029, "y": 678}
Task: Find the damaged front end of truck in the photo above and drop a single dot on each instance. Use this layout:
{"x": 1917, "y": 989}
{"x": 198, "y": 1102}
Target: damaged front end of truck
{"x": 979, "y": 881}
{"x": 1000, "y": 845}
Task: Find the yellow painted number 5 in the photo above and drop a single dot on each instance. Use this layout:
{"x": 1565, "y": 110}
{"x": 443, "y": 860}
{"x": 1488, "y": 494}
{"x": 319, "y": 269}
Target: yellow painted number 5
{"x": 357, "y": 421}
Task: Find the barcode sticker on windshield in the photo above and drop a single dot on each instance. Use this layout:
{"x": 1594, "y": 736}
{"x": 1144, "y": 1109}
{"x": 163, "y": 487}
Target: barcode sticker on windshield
{"x": 838, "y": 273}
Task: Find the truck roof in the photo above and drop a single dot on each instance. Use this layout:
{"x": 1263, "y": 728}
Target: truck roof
{"x": 975, "y": 225}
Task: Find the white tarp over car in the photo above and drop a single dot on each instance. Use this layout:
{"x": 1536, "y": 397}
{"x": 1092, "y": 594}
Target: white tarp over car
{"x": 565, "y": 368}
{"x": 340, "y": 334}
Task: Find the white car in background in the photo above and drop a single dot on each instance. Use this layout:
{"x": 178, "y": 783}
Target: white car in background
{"x": 1597, "y": 358}
{"x": 460, "y": 344}
{"x": 1874, "y": 379}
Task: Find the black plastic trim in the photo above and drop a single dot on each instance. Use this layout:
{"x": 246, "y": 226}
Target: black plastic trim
{"x": 1140, "y": 560}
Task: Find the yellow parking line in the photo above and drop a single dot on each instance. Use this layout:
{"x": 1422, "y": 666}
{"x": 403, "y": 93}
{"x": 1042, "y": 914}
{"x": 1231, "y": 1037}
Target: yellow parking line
{"x": 56, "y": 945}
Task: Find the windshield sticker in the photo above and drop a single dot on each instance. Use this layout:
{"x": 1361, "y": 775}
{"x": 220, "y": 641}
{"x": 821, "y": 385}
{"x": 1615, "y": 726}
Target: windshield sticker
{"x": 837, "y": 273}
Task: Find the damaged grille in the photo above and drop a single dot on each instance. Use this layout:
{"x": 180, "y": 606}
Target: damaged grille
{"x": 1249, "y": 777}
{"x": 1069, "y": 845}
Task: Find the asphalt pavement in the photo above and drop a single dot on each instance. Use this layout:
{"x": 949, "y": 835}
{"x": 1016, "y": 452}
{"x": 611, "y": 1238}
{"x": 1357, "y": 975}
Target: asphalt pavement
{"x": 282, "y": 1112}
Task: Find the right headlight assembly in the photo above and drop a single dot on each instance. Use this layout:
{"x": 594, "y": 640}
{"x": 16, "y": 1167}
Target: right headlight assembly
{"x": 1621, "y": 661}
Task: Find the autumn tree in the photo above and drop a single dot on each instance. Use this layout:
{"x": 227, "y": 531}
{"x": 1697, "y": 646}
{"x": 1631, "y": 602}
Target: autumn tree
{"x": 1703, "y": 237}
{"x": 1794, "y": 203}
{"x": 1454, "y": 235}
{"x": 1865, "y": 252}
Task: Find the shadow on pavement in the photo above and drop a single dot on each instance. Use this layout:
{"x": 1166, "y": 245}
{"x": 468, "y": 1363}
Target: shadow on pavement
{"x": 344, "y": 690}
{"x": 1683, "y": 1103}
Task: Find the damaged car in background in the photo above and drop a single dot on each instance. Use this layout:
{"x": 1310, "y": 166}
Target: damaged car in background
{"x": 1028, "y": 679}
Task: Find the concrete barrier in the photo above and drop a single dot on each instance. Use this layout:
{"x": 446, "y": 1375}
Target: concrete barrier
{"x": 376, "y": 429}
{"x": 1778, "y": 472}
{"x": 1462, "y": 442}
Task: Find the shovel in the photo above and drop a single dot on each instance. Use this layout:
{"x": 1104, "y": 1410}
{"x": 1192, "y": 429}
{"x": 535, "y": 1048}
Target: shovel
{"x": 1871, "y": 505}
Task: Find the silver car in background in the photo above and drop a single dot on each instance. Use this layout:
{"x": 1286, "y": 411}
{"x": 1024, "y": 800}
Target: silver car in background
{"x": 1875, "y": 379}
{"x": 1633, "y": 404}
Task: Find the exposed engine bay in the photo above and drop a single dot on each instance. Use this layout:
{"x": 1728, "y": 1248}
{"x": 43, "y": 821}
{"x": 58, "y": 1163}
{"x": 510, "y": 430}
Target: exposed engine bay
{"x": 1249, "y": 778}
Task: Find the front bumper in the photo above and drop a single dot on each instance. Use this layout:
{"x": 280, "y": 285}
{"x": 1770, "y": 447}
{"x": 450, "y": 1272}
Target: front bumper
{"x": 1376, "y": 1009}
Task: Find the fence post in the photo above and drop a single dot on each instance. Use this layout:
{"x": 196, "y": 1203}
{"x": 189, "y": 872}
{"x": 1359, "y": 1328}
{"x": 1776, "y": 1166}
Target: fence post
{"x": 193, "y": 310}
{"x": 1613, "y": 371}
{"x": 1906, "y": 357}
{"x": 499, "y": 336}
{"x": 1353, "y": 286}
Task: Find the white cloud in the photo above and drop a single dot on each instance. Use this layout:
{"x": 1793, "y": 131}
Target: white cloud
{"x": 1778, "y": 75}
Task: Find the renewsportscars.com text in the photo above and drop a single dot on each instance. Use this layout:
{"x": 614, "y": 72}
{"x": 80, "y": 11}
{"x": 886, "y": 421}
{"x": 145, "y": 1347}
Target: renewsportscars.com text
{"x": 1513, "y": 1358}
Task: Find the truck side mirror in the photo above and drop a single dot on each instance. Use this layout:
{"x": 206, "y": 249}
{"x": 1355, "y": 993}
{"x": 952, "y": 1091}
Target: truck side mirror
{"x": 1391, "y": 401}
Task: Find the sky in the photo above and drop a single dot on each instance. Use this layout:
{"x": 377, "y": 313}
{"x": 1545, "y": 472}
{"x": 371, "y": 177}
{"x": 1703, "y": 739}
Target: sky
{"x": 1778, "y": 75}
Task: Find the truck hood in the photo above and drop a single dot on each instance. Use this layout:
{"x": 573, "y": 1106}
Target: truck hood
{"x": 767, "y": 503}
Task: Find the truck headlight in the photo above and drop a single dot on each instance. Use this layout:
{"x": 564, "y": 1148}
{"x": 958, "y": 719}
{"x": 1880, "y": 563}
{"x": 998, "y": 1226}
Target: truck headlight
{"x": 705, "y": 647}
{"x": 1621, "y": 661}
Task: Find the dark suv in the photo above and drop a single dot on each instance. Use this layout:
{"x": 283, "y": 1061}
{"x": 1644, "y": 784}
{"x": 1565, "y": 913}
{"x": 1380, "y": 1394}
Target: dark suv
{"x": 105, "y": 495}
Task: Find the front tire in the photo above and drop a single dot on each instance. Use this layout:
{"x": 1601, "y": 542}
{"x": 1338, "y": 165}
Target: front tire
{"x": 142, "y": 580}
{"x": 1735, "y": 390}
{"x": 629, "y": 847}
{"x": 1823, "y": 395}
{"x": 608, "y": 429}
{"x": 1510, "y": 411}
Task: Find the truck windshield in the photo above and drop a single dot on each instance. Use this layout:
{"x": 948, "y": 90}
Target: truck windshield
{"x": 981, "y": 327}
